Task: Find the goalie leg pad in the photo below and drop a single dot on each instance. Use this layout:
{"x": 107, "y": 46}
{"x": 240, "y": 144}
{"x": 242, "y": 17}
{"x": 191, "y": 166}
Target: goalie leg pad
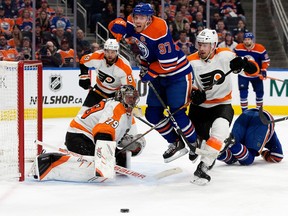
{"x": 62, "y": 167}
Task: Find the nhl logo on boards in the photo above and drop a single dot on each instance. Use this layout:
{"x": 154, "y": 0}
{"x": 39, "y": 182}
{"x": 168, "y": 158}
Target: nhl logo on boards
{"x": 55, "y": 82}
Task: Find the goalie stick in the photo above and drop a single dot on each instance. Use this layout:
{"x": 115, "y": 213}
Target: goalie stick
{"x": 266, "y": 121}
{"x": 117, "y": 168}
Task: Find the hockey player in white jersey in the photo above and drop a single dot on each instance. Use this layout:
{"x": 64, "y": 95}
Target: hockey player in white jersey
{"x": 99, "y": 135}
{"x": 211, "y": 111}
{"x": 112, "y": 71}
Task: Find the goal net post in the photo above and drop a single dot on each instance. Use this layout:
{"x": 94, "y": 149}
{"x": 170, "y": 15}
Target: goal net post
{"x": 20, "y": 116}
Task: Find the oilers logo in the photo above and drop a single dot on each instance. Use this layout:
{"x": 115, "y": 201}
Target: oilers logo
{"x": 55, "y": 82}
{"x": 142, "y": 47}
{"x": 250, "y": 57}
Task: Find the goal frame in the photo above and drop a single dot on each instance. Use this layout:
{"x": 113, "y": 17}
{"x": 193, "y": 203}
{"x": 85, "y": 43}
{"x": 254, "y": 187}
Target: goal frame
{"x": 21, "y": 110}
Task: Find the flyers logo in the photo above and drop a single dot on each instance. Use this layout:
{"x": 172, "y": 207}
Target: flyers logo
{"x": 209, "y": 78}
{"x": 105, "y": 77}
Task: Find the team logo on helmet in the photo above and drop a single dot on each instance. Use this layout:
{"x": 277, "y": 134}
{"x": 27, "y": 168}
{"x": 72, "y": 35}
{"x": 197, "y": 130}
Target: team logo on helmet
{"x": 55, "y": 82}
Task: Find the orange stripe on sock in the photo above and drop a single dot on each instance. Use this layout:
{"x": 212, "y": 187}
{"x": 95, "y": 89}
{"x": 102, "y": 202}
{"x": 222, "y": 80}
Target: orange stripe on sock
{"x": 214, "y": 143}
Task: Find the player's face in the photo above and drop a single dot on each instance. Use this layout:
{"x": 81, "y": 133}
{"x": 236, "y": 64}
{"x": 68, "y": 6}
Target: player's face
{"x": 110, "y": 56}
{"x": 140, "y": 22}
{"x": 204, "y": 50}
{"x": 248, "y": 42}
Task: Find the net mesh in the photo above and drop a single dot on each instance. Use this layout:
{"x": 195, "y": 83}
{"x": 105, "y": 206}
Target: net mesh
{"x": 9, "y": 133}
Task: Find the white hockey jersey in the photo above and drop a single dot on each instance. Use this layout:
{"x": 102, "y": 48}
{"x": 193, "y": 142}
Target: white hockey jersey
{"x": 207, "y": 72}
{"x": 109, "y": 78}
{"x": 109, "y": 116}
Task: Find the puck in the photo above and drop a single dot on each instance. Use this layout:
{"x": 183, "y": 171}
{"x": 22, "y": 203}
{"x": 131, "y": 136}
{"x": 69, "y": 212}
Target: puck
{"x": 124, "y": 210}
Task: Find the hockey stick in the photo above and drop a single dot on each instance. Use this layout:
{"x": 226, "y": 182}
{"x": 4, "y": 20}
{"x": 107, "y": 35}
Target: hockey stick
{"x": 276, "y": 79}
{"x": 266, "y": 121}
{"x": 171, "y": 117}
{"x": 117, "y": 168}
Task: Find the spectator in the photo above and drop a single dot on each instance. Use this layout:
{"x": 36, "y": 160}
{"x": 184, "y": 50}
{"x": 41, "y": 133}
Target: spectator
{"x": 25, "y": 21}
{"x": 59, "y": 35}
{"x": 228, "y": 9}
{"x": 45, "y": 7}
{"x": 109, "y": 14}
{"x": 6, "y": 24}
{"x": 10, "y": 9}
{"x": 197, "y": 21}
{"x": 96, "y": 15}
{"x": 26, "y": 54}
{"x": 189, "y": 33}
{"x": 40, "y": 39}
{"x": 184, "y": 40}
{"x": 241, "y": 27}
{"x": 215, "y": 19}
{"x": 59, "y": 21}
{"x": 16, "y": 40}
{"x": 94, "y": 47}
{"x": 173, "y": 31}
{"x": 49, "y": 56}
{"x": 43, "y": 21}
{"x": 185, "y": 13}
{"x": 180, "y": 21}
{"x": 228, "y": 42}
{"x": 67, "y": 54}
{"x": 128, "y": 8}
{"x": 6, "y": 52}
{"x": 26, "y": 5}
{"x": 83, "y": 46}
{"x": 221, "y": 30}
{"x": 240, "y": 10}
{"x": 185, "y": 49}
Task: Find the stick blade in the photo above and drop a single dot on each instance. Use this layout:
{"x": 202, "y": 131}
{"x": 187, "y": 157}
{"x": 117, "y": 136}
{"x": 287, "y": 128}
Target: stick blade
{"x": 167, "y": 173}
{"x": 262, "y": 117}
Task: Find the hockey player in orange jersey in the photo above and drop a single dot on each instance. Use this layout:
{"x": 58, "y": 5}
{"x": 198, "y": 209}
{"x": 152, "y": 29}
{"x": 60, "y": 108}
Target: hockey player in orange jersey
{"x": 165, "y": 66}
{"x": 113, "y": 70}
{"x": 211, "y": 111}
{"x": 254, "y": 52}
{"x": 109, "y": 124}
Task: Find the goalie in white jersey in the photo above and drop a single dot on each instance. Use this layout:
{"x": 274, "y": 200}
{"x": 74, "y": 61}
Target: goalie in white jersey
{"x": 211, "y": 111}
{"x": 110, "y": 125}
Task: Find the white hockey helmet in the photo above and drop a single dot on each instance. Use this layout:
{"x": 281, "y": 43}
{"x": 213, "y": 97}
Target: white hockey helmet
{"x": 208, "y": 36}
{"x": 111, "y": 44}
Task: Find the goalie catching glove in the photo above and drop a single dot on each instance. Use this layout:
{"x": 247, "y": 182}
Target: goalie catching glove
{"x": 136, "y": 147}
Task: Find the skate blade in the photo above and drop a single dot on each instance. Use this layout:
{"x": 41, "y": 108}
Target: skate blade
{"x": 199, "y": 181}
{"x": 177, "y": 155}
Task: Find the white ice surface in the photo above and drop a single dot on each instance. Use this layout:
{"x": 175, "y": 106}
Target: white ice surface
{"x": 260, "y": 189}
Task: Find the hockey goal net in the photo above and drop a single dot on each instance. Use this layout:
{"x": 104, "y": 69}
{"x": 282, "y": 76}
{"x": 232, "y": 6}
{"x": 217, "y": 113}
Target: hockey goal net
{"x": 20, "y": 116}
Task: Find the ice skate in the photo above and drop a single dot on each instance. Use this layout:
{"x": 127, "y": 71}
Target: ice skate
{"x": 192, "y": 155}
{"x": 200, "y": 175}
{"x": 174, "y": 151}
{"x": 228, "y": 143}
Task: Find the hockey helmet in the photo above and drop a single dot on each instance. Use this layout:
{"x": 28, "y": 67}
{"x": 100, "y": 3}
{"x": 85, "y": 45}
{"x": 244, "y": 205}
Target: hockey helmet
{"x": 128, "y": 96}
{"x": 143, "y": 9}
{"x": 111, "y": 44}
{"x": 208, "y": 36}
{"x": 248, "y": 35}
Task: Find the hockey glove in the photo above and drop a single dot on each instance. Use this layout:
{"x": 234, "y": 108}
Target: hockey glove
{"x": 263, "y": 74}
{"x": 118, "y": 28}
{"x": 238, "y": 63}
{"x": 84, "y": 81}
{"x": 266, "y": 154}
{"x": 144, "y": 76}
{"x": 136, "y": 147}
{"x": 198, "y": 97}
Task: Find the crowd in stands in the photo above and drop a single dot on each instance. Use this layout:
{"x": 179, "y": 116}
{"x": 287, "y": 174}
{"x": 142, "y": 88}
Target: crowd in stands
{"x": 54, "y": 35}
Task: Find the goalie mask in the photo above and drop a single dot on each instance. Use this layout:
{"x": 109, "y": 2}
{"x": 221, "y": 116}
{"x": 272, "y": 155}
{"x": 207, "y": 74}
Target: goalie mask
{"x": 128, "y": 96}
